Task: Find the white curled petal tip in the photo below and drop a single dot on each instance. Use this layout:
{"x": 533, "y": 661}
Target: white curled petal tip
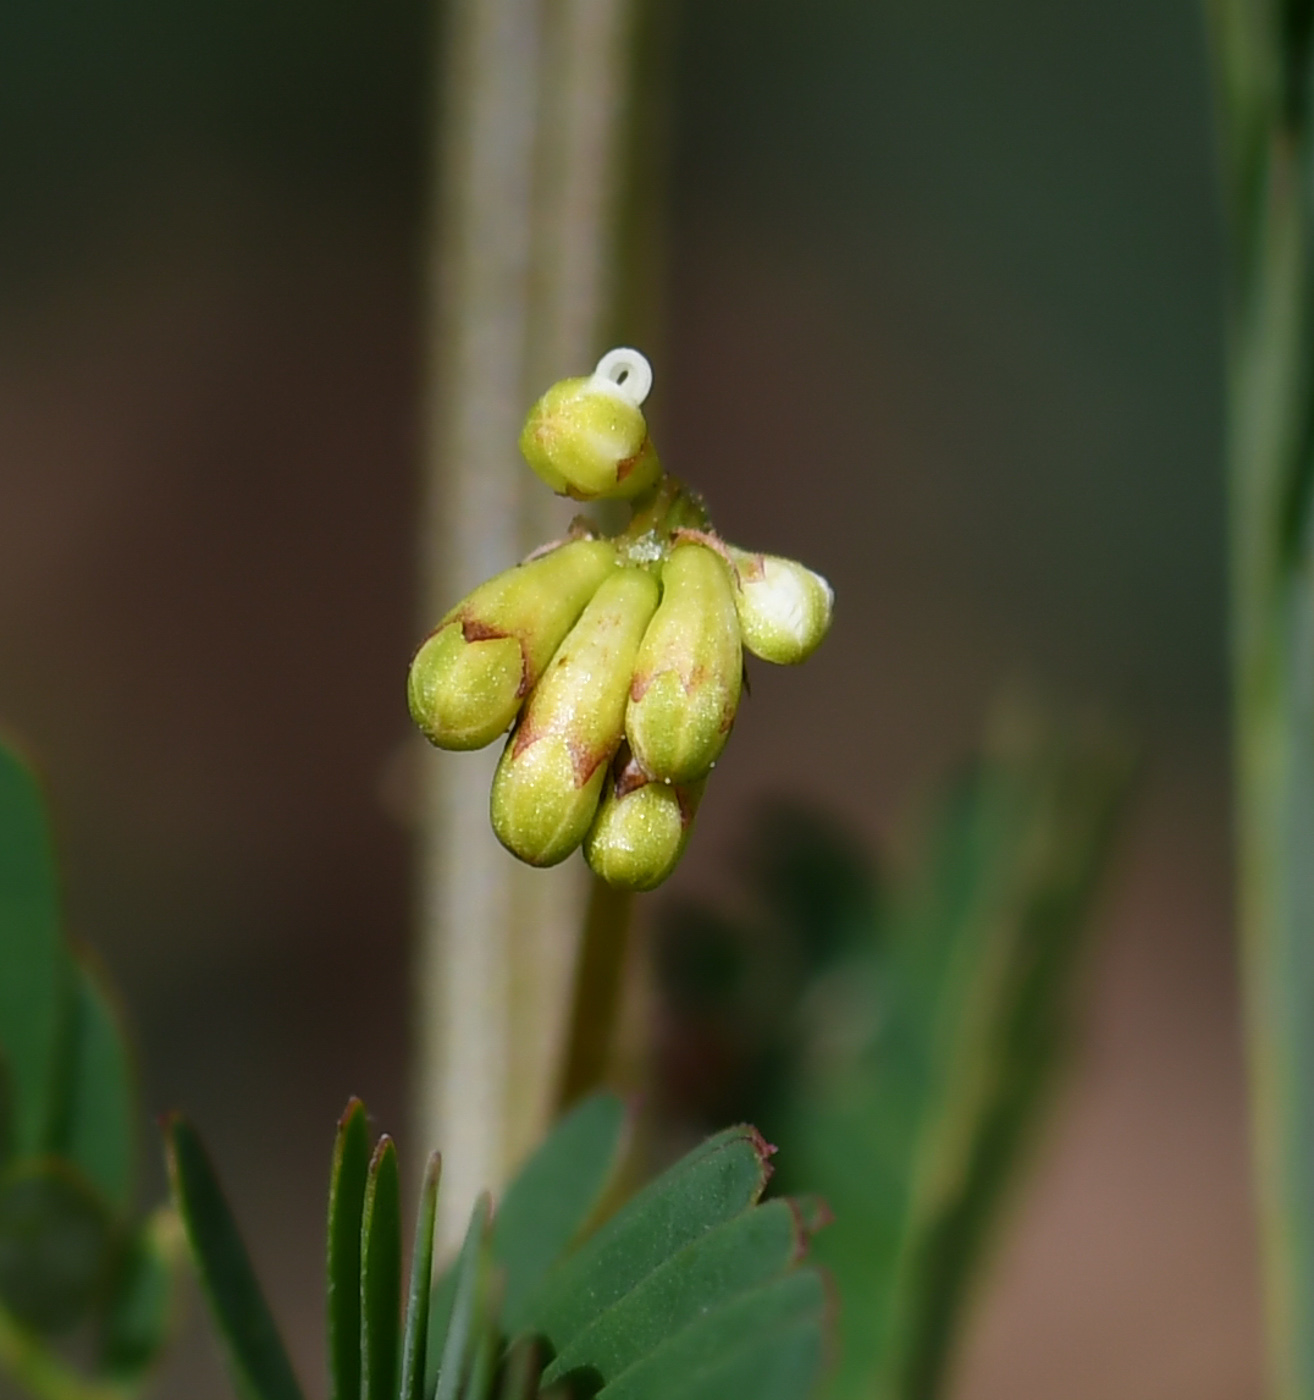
{"x": 625, "y": 374}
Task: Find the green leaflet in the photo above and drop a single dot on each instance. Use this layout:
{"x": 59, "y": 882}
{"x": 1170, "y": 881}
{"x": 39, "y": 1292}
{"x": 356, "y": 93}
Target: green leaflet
{"x": 380, "y": 1276}
{"x": 764, "y": 1343}
{"x": 346, "y": 1212}
{"x": 712, "y": 1184}
{"x": 415, "y": 1337}
{"x": 259, "y": 1362}
{"x": 139, "y": 1306}
{"x": 97, "y": 1120}
{"x": 733, "y": 1258}
{"x": 470, "y": 1282}
{"x": 34, "y": 969}
{"x": 553, "y": 1195}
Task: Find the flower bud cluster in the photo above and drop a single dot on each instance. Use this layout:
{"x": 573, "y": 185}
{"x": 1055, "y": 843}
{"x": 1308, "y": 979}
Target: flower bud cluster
{"x": 616, "y": 664}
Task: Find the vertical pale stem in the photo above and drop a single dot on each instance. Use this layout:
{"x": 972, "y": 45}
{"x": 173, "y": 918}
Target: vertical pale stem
{"x": 535, "y": 93}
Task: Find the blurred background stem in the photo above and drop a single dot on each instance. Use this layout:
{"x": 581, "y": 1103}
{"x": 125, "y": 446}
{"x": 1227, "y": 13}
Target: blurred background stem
{"x": 1262, "y": 59}
{"x": 532, "y": 141}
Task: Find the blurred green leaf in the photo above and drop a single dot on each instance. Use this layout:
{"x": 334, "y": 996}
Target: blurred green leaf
{"x": 34, "y": 971}
{"x": 714, "y": 1183}
{"x": 733, "y": 1258}
{"x": 767, "y": 1344}
{"x": 415, "y": 1336}
{"x": 259, "y": 1361}
{"x": 6, "y": 1113}
{"x": 1264, "y": 62}
{"x": 553, "y": 1195}
{"x": 675, "y": 1294}
{"x": 139, "y": 1305}
{"x": 346, "y": 1212}
{"x": 380, "y": 1276}
{"x": 460, "y": 1339}
{"x": 97, "y": 1120}
{"x": 55, "y": 1244}
{"x": 934, "y": 1048}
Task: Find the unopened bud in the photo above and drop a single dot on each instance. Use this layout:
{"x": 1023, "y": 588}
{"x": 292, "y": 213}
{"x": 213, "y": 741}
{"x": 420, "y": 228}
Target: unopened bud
{"x": 470, "y": 678}
{"x": 588, "y": 438}
{"x": 552, "y": 770}
{"x": 784, "y": 608}
{"x": 689, "y": 670}
{"x": 640, "y": 831}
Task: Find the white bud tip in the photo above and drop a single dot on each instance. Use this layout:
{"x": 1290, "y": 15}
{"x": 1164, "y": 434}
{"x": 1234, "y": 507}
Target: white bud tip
{"x": 624, "y": 373}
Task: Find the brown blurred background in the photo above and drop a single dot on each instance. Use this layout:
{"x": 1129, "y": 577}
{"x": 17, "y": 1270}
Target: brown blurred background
{"x": 942, "y": 319}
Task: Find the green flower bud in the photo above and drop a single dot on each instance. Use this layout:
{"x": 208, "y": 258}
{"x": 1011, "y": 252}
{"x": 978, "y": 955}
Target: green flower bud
{"x": 784, "y": 608}
{"x": 689, "y": 671}
{"x": 471, "y": 676}
{"x": 552, "y": 770}
{"x": 588, "y": 438}
{"x": 640, "y": 832}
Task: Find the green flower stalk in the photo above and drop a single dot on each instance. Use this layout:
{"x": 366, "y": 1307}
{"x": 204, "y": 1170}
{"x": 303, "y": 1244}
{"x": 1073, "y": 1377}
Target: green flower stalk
{"x": 619, "y": 661}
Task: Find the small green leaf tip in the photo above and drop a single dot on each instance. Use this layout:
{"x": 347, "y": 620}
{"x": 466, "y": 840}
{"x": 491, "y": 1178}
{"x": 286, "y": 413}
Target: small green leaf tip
{"x": 689, "y": 671}
{"x": 548, "y": 782}
{"x": 588, "y": 438}
{"x": 470, "y": 678}
{"x": 784, "y": 608}
{"x": 640, "y": 831}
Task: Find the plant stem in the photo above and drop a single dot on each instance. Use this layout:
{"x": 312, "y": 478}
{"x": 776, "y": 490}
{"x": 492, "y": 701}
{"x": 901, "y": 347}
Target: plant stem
{"x": 599, "y": 974}
{"x": 1263, "y": 59}
{"x": 535, "y": 108}
{"x": 43, "y": 1374}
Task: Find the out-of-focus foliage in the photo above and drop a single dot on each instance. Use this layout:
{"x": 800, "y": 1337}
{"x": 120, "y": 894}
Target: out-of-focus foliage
{"x": 690, "y": 1289}
{"x": 73, "y": 1253}
{"x": 900, "y": 1044}
{"x": 1265, "y": 84}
